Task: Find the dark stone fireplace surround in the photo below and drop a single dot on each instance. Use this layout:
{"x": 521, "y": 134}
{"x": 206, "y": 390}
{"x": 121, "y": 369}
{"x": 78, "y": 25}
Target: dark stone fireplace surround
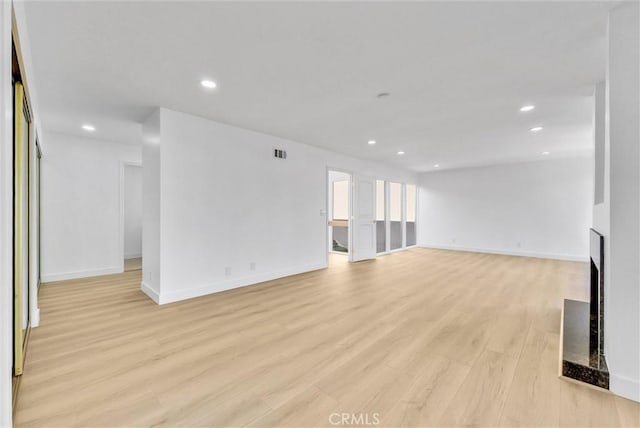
{"x": 583, "y": 338}
{"x": 596, "y": 304}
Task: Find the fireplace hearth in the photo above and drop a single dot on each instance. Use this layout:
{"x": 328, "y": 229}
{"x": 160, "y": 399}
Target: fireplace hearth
{"x": 583, "y": 356}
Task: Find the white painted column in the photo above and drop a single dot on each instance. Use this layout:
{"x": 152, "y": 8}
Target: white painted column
{"x": 622, "y": 316}
{"x": 151, "y": 232}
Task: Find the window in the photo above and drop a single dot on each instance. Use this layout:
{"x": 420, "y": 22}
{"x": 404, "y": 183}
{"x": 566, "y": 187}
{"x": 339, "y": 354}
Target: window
{"x": 341, "y": 200}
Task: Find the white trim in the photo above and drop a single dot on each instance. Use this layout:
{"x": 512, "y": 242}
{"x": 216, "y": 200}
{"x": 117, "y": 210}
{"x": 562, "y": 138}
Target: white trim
{"x": 328, "y": 239}
{"x": 34, "y": 213}
{"x": 554, "y": 256}
{"x": 149, "y": 291}
{"x": 216, "y": 287}
{"x": 132, "y": 256}
{"x": 387, "y": 215}
{"x": 403, "y": 214}
{"x": 342, "y": 253}
{"x": 561, "y": 344}
{"x": 82, "y": 274}
{"x": 624, "y": 387}
{"x": 35, "y": 318}
{"x": 396, "y": 250}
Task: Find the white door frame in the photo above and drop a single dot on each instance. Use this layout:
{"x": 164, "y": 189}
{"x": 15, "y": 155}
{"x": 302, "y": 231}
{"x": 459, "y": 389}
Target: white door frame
{"x": 326, "y": 209}
{"x": 34, "y": 229}
{"x": 387, "y": 217}
{"x": 416, "y": 215}
{"x": 123, "y": 165}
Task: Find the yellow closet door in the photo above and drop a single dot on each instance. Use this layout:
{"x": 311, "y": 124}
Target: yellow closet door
{"x": 20, "y": 218}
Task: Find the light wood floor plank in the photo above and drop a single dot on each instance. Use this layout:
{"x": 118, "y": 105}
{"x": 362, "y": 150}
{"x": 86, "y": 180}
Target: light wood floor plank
{"x": 418, "y": 338}
{"x": 628, "y": 411}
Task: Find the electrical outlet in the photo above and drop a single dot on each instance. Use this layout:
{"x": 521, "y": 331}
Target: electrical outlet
{"x": 252, "y": 266}
{"x": 227, "y": 271}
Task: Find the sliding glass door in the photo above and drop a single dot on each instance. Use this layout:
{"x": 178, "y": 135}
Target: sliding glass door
{"x": 395, "y": 215}
{"x": 410, "y": 213}
{"x": 396, "y": 212}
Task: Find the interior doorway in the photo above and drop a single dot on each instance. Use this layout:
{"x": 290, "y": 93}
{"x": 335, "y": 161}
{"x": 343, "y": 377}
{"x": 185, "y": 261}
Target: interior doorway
{"x": 339, "y": 213}
{"x": 131, "y": 216}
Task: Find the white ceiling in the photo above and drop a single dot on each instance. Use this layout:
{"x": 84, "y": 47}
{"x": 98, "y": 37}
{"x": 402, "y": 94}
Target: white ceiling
{"x": 457, "y": 73}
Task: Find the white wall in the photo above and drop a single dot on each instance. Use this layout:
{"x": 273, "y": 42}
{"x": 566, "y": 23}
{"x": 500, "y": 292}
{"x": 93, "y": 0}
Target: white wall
{"x": 6, "y": 216}
{"x": 151, "y": 233}
{"x": 601, "y": 143}
{"x": 81, "y": 234}
{"x": 225, "y": 202}
{"x": 622, "y": 294}
{"x": 132, "y": 211}
{"x": 540, "y": 209}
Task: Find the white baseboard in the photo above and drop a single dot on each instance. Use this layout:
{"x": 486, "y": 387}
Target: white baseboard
{"x": 81, "y": 274}
{"x": 153, "y": 294}
{"x": 567, "y": 257}
{"x": 35, "y": 315}
{"x": 178, "y": 295}
{"x": 624, "y": 387}
{"x": 132, "y": 256}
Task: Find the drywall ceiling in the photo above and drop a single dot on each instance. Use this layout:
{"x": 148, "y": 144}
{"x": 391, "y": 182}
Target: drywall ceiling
{"x": 457, "y": 73}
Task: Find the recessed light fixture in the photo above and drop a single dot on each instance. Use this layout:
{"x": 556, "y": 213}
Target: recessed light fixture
{"x": 209, "y": 84}
{"x": 371, "y": 142}
{"x": 437, "y": 165}
{"x": 545, "y": 153}
{"x": 383, "y": 94}
{"x": 527, "y": 108}
{"x": 536, "y": 129}
{"x": 88, "y": 127}
{"x": 400, "y": 153}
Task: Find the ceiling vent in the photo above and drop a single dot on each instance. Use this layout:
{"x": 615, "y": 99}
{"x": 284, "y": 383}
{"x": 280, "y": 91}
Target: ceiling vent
{"x": 279, "y": 154}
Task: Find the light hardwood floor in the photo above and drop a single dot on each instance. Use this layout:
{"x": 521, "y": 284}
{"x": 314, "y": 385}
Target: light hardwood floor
{"x": 418, "y": 338}
{"x": 132, "y": 264}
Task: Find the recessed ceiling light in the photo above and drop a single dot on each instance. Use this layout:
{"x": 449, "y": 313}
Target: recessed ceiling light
{"x": 383, "y": 94}
{"x": 209, "y": 84}
{"x": 400, "y": 152}
{"x": 527, "y": 108}
{"x": 371, "y": 142}
{"x": 545, "y": 153}
{"x": 437, "y": 165}
{"x": 88, "y": 127}
{"x": 536, "y": 129}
